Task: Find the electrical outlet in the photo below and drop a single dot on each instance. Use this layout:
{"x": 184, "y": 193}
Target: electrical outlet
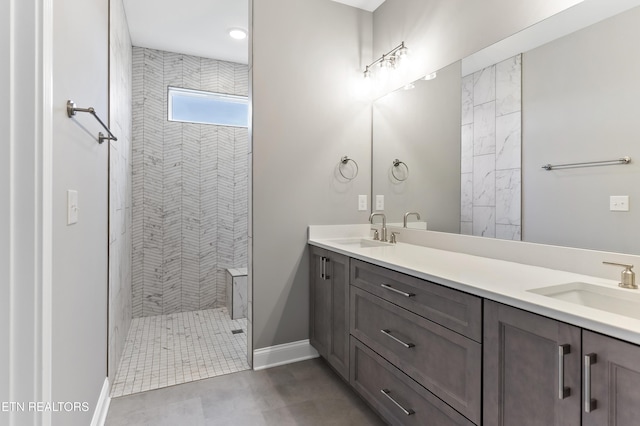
{"x": 619, "y": 203}
{"x": 362, "y": 203}
{"x": 379, "y": 202}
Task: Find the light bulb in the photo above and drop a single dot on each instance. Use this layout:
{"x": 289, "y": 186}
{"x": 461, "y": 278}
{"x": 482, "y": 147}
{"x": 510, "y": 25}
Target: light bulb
{"x": 402, "y": 52}
{"x": 237, "y": 33}
{"x": 402, "y": 56}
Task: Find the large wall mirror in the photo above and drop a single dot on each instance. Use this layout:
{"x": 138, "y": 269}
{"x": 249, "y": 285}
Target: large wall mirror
{"x": 573, "y": 96}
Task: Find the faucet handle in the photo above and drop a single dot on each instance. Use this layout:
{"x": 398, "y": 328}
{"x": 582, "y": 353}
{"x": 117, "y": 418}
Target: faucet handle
{"x": 376, "y": 234}
{"x": 393, "y": 238}
{"x": 627, "y": 276}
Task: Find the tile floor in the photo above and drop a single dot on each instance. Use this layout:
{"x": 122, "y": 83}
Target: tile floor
{"x": 166, "y": 350}
{"x": 305, "y": 393}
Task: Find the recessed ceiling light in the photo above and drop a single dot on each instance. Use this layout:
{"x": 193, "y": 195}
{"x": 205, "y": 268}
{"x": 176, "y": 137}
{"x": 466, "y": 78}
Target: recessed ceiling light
{"x": 237, "y": 33}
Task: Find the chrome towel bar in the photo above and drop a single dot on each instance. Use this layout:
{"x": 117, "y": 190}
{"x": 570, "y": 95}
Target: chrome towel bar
{"x": 71, "y": 111}
{"x": 623, "y": 160}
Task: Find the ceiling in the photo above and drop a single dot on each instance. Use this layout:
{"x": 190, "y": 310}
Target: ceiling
{"x": 369, "y": 5}
{"x": 181, "y": 26}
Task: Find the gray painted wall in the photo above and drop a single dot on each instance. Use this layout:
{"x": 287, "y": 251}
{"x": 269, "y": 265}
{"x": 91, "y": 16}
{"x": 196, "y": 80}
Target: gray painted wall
{"x": 580, "y": 103}
{"x": 80, "y": 72}
{"x": 440, "y": 32}
{"x": 421, "y": 127}
{"x": 120, "y": 242}
{"x": 189, "y": 187}
{"x": 305, "y": 118}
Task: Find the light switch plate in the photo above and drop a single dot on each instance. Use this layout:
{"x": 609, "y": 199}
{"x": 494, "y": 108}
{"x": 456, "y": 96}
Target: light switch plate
{"x": 72, "y": 207}
{"x": 362, "y": 203}
{"x": 379, "y": 202}
{"x": 619, "y": 203}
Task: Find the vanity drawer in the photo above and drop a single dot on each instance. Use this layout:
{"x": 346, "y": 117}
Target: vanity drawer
{"x": 414, "y": 405}
{"x": 444, "y": 362}
{"x": 458, "y": 311}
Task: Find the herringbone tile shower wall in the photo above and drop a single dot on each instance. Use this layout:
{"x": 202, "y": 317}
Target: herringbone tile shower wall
{"x": 189, "y": 187}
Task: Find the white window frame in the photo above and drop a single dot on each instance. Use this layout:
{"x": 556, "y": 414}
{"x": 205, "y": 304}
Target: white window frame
{"x": 172, "y": 90}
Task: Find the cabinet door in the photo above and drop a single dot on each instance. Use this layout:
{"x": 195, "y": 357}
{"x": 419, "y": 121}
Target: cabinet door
{"x": 527, "y": 359}
{"x": 337, "y": 269}
{"x": 318, "y": 302}
{"x": 612, "y": 380}
{"x": 329, "y": 308}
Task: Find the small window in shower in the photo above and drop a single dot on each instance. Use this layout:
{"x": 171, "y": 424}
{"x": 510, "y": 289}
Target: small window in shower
{"x": 196, "y": 106}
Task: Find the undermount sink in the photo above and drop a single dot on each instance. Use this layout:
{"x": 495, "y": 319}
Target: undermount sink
{"x": 360, "y": 242}
{"x": 610, "y": 299}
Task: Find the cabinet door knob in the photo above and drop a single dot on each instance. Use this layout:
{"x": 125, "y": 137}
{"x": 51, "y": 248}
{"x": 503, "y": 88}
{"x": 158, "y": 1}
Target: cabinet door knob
{"x": 589, "y": 404}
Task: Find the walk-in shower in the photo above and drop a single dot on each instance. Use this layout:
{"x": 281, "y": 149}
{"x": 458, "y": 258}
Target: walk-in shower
{"x": 189, "y": 228}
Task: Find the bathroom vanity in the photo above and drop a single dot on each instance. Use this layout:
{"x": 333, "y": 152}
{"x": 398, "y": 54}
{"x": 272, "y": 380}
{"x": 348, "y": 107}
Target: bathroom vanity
{"x": 437, "y": 337}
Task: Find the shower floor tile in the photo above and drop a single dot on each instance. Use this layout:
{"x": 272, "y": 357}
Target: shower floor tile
{"x": 166, "y": 350}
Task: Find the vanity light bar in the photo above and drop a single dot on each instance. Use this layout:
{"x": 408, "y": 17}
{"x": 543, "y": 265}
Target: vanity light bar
{"x": 388, "y": 59}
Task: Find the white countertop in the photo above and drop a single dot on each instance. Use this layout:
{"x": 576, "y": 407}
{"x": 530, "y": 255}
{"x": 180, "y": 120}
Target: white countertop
{"x": 498, "y": 280}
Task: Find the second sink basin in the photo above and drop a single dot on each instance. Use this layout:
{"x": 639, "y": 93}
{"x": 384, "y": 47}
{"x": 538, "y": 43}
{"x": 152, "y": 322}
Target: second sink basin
{"x": 360, "y": 242}
{"x": 614, "y": 300}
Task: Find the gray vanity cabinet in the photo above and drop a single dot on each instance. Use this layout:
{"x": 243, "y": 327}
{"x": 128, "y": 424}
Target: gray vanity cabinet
{"x": 531, "y": 369}
{"x": 329, "y": 308}
{"x": 420, "y": 331}
{"x": 417, "y": 351}
{"x": 612, "y": 381}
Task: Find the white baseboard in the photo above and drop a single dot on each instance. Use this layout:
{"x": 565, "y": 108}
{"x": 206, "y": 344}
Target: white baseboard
{"x": 100, "y": 415}
{"x": 287, "y": 353}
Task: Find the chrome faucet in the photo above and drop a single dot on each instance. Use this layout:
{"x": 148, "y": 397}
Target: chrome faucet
{"x": 383, "y": 231}
{"x": 406, "y": 215}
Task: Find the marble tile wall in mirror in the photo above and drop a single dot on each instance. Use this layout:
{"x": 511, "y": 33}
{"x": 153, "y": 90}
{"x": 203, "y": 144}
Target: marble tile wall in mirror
{"x": 490, "y": 155}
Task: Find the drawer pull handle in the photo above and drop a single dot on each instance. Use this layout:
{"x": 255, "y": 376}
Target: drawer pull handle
{"x": 563, "y": 391}
{"x": 395, "y": 290}
{"x": 589, "y": 404}
{"x": 387, "y": 392}
{"x": 388, "y": 334}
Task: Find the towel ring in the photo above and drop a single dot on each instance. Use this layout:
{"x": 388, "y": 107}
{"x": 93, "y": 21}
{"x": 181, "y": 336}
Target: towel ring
{"x": 343, "y": 162}
{"x": 397, "y": 163}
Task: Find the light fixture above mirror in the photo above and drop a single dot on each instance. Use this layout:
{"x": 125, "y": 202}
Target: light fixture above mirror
{"x": 389, "y": 61}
